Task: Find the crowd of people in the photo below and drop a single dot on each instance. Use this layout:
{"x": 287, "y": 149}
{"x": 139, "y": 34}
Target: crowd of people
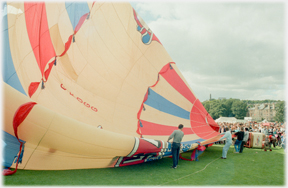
{"x": 274, "y": 133}
{"x": 238, "y": 135}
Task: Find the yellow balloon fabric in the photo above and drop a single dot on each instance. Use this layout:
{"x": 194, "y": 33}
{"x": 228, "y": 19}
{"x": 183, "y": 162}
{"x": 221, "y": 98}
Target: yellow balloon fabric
{"x": 107, "y": 93}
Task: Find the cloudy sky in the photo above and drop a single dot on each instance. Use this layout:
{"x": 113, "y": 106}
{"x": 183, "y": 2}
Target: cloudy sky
{"x": 226, "y": 49}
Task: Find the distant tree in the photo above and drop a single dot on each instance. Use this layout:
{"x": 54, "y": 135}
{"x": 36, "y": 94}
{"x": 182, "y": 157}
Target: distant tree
{"x": 215, "y": 108}
{"x": 280, "y": 111}
{"x": 206, "y": 105}
{"x": 239, "y": 109}
{"x": 228, "y": 104}
{"x": 218, "y": 110}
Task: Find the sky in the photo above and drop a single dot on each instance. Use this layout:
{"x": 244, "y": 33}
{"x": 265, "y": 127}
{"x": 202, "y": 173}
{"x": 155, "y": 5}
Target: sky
{"x": 224, "y": 48}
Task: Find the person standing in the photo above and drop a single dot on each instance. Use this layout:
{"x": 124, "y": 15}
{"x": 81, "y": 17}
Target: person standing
{"x": 272, "y": 140}
{"x": 270, "y": 130}
{"x": 265, "y": 131}
{"x": 177, "y": 136}
{"x": 267, "y": 143}
{"x": 228, "y": 143}
{"x": 245, "y": 139}
{"x": 238, "y": 142}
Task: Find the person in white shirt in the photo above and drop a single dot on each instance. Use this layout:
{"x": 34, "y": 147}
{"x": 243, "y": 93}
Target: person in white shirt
{"x": 228, "y": 143}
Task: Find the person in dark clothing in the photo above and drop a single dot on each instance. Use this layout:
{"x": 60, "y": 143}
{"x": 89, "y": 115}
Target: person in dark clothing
{"x": 240, "y": 136}
{"x": 245, "y": 139}
{"x": 278, "y": 138}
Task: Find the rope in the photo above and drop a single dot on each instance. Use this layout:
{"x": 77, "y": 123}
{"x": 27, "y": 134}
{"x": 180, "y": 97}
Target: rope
{"x": 192, "y": 173}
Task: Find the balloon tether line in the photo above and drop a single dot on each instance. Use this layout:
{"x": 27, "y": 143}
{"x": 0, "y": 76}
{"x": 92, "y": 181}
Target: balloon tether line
{"x": 192, "y": 173}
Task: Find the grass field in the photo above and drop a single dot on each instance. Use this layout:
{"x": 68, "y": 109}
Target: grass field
{"x": 253, "y": 167}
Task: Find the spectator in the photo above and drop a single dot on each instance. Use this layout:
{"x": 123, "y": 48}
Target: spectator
{"x": 278, "y": 138}
{"x": 282, "y": 127}
{"x": 274, "y": 131}
{"x": 265, "y": 131}
{"x": 222, "y": 130}
{"x": 233, "y": 129}
{"x": 270, "y": 130}
{"x": 283, "y": 141}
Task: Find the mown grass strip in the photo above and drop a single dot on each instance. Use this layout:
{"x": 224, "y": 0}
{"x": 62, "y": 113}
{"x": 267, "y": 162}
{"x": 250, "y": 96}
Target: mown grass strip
{"x": 250, "y": 168}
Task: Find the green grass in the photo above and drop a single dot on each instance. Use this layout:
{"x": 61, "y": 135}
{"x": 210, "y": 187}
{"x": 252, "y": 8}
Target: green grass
{"x": 252, "y": 167}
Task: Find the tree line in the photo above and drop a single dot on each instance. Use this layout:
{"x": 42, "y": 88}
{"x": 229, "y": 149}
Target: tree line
{"x": 238, "y": 108}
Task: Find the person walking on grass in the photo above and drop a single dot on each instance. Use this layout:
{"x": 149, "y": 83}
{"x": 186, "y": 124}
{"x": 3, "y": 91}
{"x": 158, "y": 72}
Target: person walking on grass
{"x": 228, "y": 143}
{"x": 177, "y": 136}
